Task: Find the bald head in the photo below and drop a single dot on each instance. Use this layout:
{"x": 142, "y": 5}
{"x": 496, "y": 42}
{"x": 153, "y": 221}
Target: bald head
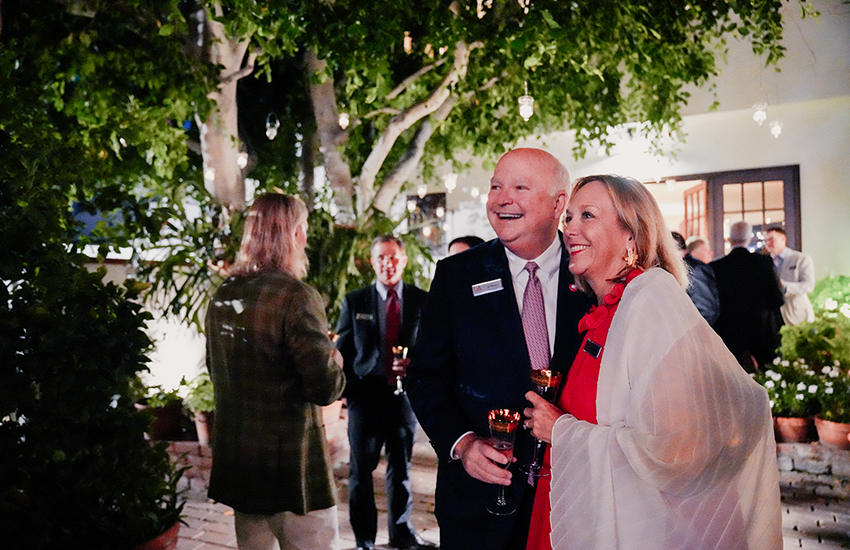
{"x": 549, "y": 168}
{"x": 528, "y": 193}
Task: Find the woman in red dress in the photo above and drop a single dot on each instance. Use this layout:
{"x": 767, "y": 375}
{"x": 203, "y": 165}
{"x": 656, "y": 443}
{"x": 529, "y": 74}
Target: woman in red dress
{"x": 659, "y": 439}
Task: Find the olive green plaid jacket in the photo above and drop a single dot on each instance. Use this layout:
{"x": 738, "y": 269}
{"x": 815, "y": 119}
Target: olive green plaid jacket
{"x": 271, "y": 364}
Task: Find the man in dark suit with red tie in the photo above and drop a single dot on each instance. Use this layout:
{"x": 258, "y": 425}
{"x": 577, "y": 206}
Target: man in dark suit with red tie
{"x": 473, "y": 353}
{"x": 372, "y": 320}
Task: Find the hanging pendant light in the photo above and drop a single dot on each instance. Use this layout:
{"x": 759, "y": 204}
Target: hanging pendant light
{"x": 526, "y": 105}
{"x": 272, "y": 125}
{"x": 776, "y": 128}
{"x": 450, "y": 181}
{"x": 760, "y": 112}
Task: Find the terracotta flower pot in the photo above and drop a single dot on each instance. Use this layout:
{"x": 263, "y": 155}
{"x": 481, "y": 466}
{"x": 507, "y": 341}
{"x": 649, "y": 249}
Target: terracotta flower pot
{"x": 167, "y": 420}
{"x": 833, "y": 434}
{"x": 165, "y": 541}
{"x": 792, "y": 429}
{"x": 204, "y": 426}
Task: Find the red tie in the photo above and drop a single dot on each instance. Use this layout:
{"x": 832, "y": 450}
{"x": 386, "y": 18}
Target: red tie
{"x": 392, "y": 333}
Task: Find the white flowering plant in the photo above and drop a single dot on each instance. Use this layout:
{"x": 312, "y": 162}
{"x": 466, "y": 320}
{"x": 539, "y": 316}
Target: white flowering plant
{"x": 792, "y": 388}
{"x": 834, "y": 393}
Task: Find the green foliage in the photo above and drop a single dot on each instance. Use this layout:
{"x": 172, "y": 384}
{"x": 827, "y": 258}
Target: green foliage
{"x": 74, "y": 462}
{"x": 201, "y": 397}
{"x": 158, "y": 396}
{"x": 832, "y": 294}
{"x": 792, "y": 388}
{"x": 834, "y": 393}
{"x": 75, "y": 467}
{"x": 820, "y": 342}
{"x": 109, "y": 92}
{"x": 815, "y": 358}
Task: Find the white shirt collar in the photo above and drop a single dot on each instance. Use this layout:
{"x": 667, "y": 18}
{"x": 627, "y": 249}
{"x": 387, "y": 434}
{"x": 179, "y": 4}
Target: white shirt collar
{"x": 382, "y": 289}
{"x": 548, "y": 262}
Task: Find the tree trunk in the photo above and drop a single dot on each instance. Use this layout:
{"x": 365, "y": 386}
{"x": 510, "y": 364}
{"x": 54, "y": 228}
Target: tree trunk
{"x": 331, "y": 138}
{"x": 220, "y": 132}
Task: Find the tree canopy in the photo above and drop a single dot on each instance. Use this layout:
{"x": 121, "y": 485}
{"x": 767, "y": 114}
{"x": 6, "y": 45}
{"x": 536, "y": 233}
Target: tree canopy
{"x": 146, "y": 106}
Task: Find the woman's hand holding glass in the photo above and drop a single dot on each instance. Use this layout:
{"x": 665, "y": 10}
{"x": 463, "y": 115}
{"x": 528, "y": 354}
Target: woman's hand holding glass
{"x": 541, "y": 416}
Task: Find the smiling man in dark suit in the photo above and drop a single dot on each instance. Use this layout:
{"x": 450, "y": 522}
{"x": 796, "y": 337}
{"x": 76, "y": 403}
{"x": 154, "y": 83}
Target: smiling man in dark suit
{"x": 373, "y": 320}
{"x": 473, "y": 355}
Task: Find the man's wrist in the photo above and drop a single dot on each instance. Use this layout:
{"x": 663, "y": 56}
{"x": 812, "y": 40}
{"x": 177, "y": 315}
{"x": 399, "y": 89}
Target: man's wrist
{"x": 461, "y": 445}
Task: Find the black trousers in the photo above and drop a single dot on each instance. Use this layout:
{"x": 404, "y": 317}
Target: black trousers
{"x": 378, "y": 419}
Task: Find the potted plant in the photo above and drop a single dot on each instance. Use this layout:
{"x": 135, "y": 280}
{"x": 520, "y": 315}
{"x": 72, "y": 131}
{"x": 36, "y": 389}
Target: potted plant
{"x": 825, "y": 345}
{"x": 833, "y": 420}
{"x": 76, "y": 470}
{"x": 792, "y": 389}
{"x": 200, "y": 400}
{"x": 165, "y": 409}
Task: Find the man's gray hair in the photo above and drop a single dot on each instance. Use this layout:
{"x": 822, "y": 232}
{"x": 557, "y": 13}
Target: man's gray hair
{"x": 740, "y": 233}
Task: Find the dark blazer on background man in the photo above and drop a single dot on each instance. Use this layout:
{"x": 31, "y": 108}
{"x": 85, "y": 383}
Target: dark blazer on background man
{"x": 377, "y": 418}
{"x": 470, "y": 358}
{"x": 702, "y": 289}
{"x": 750, "y": 298}
{"x": 360, "y": 334}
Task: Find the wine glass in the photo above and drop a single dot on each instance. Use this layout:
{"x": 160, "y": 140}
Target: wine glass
{"x": 546, "y": 382}
{"x": 503, "y": 424}
{"x": 399, "y": 367}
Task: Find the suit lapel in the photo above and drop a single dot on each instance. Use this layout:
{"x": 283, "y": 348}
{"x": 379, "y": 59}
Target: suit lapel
{"x": 376, "y": 318}
{"x": 502, "y": 305}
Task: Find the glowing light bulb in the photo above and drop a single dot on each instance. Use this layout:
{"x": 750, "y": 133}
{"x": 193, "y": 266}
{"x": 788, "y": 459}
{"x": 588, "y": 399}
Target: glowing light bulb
{"x": 242, "y": 160}
{"x": 526, "y": 105}
{"x": 776, "y": 128}
{"x": 344, "y": 119}
{"x": 209, "y": 173}
{"x": 475, "y": 192}
{"x": 422, "y": 191}
{"x": 440, "y": 212}
{"x": 760, "y": 114}
{"x": 450, "y": 181}
{"x": 272, "y": 125}
{"x": 411, "y": 206}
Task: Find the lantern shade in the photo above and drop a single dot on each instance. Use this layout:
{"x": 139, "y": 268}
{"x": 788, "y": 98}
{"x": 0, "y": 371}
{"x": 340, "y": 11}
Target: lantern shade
{"x": 526, "y": 107}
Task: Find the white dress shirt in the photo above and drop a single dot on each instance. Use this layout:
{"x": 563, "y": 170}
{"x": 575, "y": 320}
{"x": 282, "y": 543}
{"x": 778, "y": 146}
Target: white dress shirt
{"x": 548, "y": 264}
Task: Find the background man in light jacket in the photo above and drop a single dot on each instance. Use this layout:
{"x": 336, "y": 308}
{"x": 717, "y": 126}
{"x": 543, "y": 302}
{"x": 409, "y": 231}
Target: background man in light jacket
{"x": 796, "y": 273}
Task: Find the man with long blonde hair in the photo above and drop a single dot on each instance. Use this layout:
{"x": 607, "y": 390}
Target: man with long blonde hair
{"x": 273, "y": 367}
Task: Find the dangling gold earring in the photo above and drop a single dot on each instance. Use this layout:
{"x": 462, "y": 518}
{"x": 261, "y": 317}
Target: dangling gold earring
{"x": 631, "y": 257}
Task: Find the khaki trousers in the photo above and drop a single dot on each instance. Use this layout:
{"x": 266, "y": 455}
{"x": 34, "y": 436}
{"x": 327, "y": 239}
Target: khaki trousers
{"x": 316, "y": 530}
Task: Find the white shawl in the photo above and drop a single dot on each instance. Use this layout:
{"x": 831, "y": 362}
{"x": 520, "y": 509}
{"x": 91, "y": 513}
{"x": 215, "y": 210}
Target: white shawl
{"x": 683, "y": 455}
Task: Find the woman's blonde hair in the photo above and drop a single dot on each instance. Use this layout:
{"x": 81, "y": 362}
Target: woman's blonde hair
{"x": 268, "y": 239}
{"x": 638, "y": 213}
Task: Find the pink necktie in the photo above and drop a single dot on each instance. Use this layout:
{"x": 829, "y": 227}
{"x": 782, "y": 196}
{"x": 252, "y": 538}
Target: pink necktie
{"x": 534, "y": 320}
{"x": 392, "y": 332}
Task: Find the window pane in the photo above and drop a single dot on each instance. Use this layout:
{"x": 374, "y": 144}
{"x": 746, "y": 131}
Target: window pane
{"x": 774, "y": 216}
{"x": 754, "y": 218}
{"x": 732, "y": 197}
{"x": 752, "y": 196}
{"x": 773, "y": 195}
